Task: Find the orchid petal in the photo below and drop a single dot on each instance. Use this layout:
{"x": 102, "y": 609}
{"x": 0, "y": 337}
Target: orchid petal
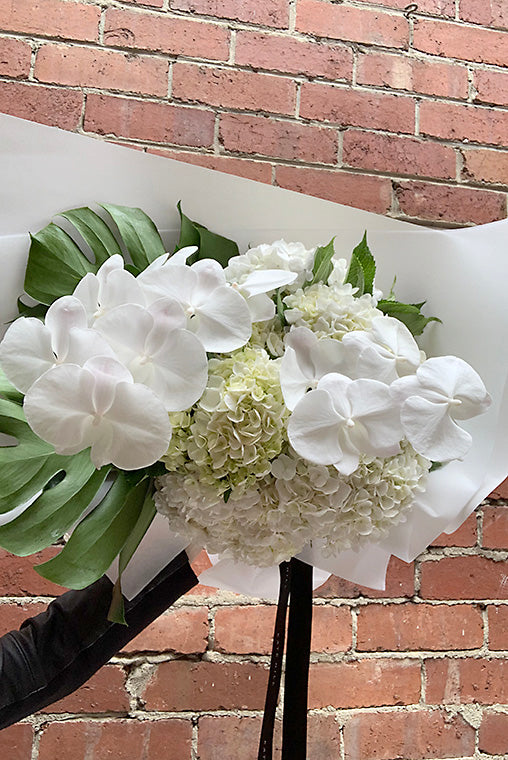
{"x": 87, "y": 291}
{"x": 264, "y": 280}
{"x": 432, "y": 433}
{"x": 125, "y": 328}
{"x": 25, "y": 352}
{"x": 313, "y": 429}
{"x": 83, "y": 344}
{"x": 261, "y": 307}
{"x": 337, "y": 386}
{"x": 121, "y": 287}
{"x": 179, "y": 370}
{"x": 167, "y": 315}
{"x": 456, "y": 379}
{"x": 108, "y": 373}
{"x": 223, "y": 323}
{"x": 294, "y": 383}
{"x": 210, "y": 275}
{"x": 64, "y": 314}
{"x": 176, "y": 281}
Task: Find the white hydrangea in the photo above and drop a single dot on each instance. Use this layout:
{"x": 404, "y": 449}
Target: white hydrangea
{"x": 291, "y": 257}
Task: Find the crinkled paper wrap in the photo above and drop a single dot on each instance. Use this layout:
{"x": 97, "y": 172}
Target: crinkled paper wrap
{"x": 461, "y": 273}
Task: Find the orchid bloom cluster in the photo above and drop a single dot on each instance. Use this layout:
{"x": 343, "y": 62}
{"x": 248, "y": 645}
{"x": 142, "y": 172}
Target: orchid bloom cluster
{"x": 286, "y": 407}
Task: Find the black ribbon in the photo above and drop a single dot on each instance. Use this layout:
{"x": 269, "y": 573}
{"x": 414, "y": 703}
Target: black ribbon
{"x": 295, "y": 586}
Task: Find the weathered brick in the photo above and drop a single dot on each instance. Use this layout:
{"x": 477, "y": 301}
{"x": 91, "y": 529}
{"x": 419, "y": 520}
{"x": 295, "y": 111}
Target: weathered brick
{"x": 178, "y": 630}
{"x": 345, "y": 107}
{"x": 486, "y": 12}
{"x": 231, "y": 736}
{"x": 397, "y": 627}
{"x": 434, "y": 7}
{"x": 54, "y": 106}
{"x": 181, "y": 685}
{"x": 15, "y": 57}
{"x": 261, "y": 171}
{"x": 92, "y": 67}
{"x": 268, "y": 13}
{"x": 294, "y": 56}
{"x": 493, "y": 736}
{"x": 491, "y": 87}
{"x": 103, "y": 692}
{"x": 501, "y": 492}
{"x": 456, "y": 40}
{"x": 365, "y": 683}
{"x": 495, "y": 527}
{"x": 151, "y": 3}
{"x": 231, "y": 88}
{"x": 498, "y": 627}
{"x": 144, "y": 120}
{"x": 16, "y": 742}
{"x": 464, "y": 578}
{"x": 360, "y": 190}
{"x": 399, "y": 583}
{"x": 411, "y": 735}
{"x": 397, "y": 155}
{"x": 17, "y": 574}
{"x": 12, "y": 615}
{"x": 51, "y": 18}
{"x": 341, "y": 22}
{"x": 466, "y": 681}
{"x": 463, "y": 536}
{"x": 454, "y": 121}
{"x": 400, "y": 72}
{"x": 167, "y": 34}
{"x": 167, "y": 739}
{"x": 449, "y": 203}
{"x": 280, "y": 139}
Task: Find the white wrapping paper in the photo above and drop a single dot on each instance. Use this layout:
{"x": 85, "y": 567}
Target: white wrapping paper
{"x": 461, "y": 273}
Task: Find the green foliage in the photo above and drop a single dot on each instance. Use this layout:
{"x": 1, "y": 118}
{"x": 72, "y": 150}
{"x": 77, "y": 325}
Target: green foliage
{"x": 210, "y": 244}
{"x": 362, "y": 268}
{"x": 323, "y": 266}
{"x": 408, "y": 313}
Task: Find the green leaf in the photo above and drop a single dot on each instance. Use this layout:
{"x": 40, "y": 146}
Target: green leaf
{"x": 408, "y": 313}
{"x": 38, "y": 311}
{"x": 99, "y": 537}
{"x": 362, "y": 268}
{"x": 116, "y": 612}
{"x": 8, "y": 391}
{"x": 95, "y": 232}
{"x": 281, "y": 308}
{"x": 210, "y": 244}
{"x": 435, "y": 466}
{"x": 323, "y": 266}
{"x": 55, "y": 265}
{"x": 138, "y": 232}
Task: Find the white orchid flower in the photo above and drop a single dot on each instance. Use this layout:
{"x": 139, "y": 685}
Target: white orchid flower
{"x": 169, "y": 259}
{"x": 215, "y": 312}
{"x": 306, "y": 360}
{"x": 443, "y": 390}
{"x": 31, "y": 347}
{"x": 111, "y": 286}
{"x": 254, "y": 289}
{"x": 99, "y": 406}
{"x": 343, "y": 419}
{"x": 386, "y": 351}
{"x": 157, "y": 351}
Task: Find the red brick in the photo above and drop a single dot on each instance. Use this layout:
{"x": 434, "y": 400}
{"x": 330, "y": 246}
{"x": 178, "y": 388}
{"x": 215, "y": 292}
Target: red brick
{"x": 359, "y": 190}
{"x": 178, "y": 630}
{"x": 501, "y": 492}
{"x": 245, "y": 629}
{"x": 366, "y": 683}
{"x": 103, "y": 692}
{"x": 18, "y": 578}
{"x": 498, "y": 627}
{"x": 495, "y": 527}
{"x": 399, "y": 583}
{"x": 466, "y": 681}
{"x": 491, "y": 87}
{"x": 448, "y": 80}
{"x": 464, "y": 578}
{"x": 487, "y": 12}
{"x": 346, "y": 107}
{"x": 233, "y": 89}
{"x": 397, "y": 155}
{"x": 12, "y": 615}
{"x": 282, "y": 53}
{"x": 46, "y": 105}
{"x": 435, "y": 7}
{"x": 494, "y": 733}
{"x": 144, "y": 120}
{"x": 458, "y": 122}
{"x": 222, "y": 737}
{"x": 421, "y": 200}
{"x": 168, "y": 739}
{"x": 92, "y": 67}
{"x": 399, "y": 627}
{"x": 182, "y": 685}
{"x": 411, "y": 735}
{"x": 268, "y": 13}
{"x": 16, "y": 742}
{"x": 463, "y": 536}
{"x": 280, "y": 139}
{"x": 363, "y": 25}
{"x": 51, "y": 18}
{"x": 15, "y": 57}
{"x": 261, "y": 171}
{"x": 151, "y": 3}
{"x": 168, "y": 34}
{"x": 456, "y": 40}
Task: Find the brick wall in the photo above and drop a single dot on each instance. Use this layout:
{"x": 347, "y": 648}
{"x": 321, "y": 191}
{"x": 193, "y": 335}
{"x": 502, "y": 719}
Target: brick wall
{"x": 399, "y": 113}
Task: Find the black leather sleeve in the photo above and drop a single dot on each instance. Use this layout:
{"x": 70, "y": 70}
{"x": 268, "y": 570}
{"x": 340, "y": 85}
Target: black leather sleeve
{"x": 55, "y": 652}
